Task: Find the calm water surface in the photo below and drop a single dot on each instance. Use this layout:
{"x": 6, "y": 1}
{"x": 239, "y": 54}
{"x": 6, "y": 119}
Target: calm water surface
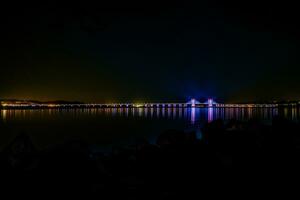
{"x": 119, "y": 126}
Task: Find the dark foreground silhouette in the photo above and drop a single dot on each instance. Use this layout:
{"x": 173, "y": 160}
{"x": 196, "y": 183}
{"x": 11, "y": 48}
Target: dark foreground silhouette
{"x": 237, "y": 159}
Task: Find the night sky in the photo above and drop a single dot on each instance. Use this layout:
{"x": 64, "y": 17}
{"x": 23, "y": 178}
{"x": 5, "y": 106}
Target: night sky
{"x": 150, "y": 51}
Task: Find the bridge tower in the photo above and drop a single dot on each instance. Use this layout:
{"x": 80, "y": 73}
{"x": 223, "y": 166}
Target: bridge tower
{"x": 210, "y": 102}
{"x": 193, "y": 102}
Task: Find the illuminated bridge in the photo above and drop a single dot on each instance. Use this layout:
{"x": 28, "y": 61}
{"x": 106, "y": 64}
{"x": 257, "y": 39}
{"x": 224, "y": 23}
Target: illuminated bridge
{"x": 193, "y": 103}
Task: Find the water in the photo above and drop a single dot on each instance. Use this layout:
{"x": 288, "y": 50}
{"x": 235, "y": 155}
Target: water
{"x": 119, "y": 126}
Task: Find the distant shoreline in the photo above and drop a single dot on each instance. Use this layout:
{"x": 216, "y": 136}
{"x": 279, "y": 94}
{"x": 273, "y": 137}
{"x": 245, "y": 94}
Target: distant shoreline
{"x": 193, "y": 103}
{"x": 88, "y": 106}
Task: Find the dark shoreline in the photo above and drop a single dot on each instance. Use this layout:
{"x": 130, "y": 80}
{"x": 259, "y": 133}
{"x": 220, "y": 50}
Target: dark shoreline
{"x": 177, "y": 164}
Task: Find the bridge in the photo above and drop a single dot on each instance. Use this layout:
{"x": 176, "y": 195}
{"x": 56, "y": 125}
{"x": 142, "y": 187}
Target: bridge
{"x": 193, "y": 103}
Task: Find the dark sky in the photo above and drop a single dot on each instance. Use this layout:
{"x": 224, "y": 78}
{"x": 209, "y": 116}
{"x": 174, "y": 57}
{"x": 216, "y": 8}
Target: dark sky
{"x": 150, "y": 50}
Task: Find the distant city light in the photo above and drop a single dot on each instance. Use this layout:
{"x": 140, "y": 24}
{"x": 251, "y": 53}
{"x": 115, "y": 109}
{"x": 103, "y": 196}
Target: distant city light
{"x": 52, "y": 105}
{"x": 192, "y": 103}
{"x": 138, "y": 105}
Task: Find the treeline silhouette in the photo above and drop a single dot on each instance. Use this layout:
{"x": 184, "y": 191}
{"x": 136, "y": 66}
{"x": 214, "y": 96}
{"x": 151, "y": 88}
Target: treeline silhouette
{"x": 231, "y": 159}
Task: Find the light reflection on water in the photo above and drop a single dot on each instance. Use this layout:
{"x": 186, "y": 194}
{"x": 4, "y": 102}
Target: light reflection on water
{"x": 120, "y": 125}
{"x": 191, "y": 115}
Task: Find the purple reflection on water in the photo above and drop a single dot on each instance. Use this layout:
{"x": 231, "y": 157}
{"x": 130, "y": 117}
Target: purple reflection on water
{"x": 210, "y": 116}
{"x": 193, "y": 115}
